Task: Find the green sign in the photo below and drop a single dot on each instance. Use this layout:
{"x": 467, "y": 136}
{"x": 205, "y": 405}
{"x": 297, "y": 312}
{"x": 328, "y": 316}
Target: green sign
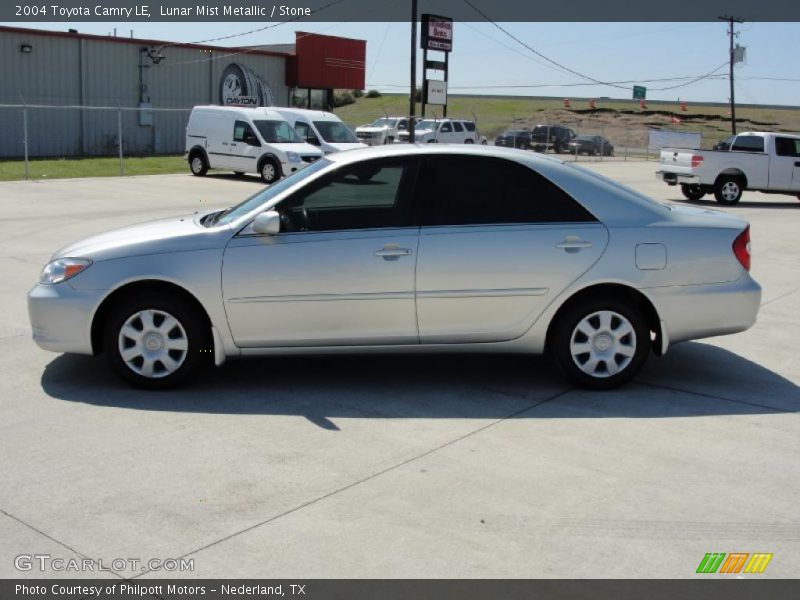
{"x": 639, "y": 92}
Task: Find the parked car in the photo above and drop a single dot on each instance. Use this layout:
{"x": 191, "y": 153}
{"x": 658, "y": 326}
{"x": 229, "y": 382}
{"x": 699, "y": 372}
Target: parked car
{"x": 758, "y": 161}
{"x": 552, "y": 137}
{"x": 382, "y": 131}
{"x": 472, "y": 127}
{"x": 395, "y": 250}
{"x": 591, "y": 145}
{"x": 245, "y": 140}
{"x": 320, "y": 128}
{"x": 443, "y": 131}
{"x": 514, "y": 138}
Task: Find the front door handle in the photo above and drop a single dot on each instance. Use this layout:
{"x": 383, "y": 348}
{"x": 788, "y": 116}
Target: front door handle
{"x": 573, "y": 243}
{"x": 392, "y": 252}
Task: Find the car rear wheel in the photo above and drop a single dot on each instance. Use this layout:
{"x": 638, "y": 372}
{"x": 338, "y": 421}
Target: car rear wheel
{"x": 198, "y": 164}
{"x": 270, "y": 171}
{"x": 728, "y": 189}
{"x": 692, "y": 192}
{"x": 469, "y": 141}
{"x": 155, "y": 340}
{"x": 601, "y": 344}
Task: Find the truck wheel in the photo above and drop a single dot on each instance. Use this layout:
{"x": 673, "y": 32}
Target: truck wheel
{"x": 728, "y": 189}
{"x": 270, "y": 171}
{"x": 198, "y": 164}
{"x": 692, "y": 192}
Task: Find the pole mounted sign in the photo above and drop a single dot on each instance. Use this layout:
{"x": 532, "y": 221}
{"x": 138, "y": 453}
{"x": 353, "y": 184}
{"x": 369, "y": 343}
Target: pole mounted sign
{"x": 437, "y": 33}
{"x": 639, "y": 92}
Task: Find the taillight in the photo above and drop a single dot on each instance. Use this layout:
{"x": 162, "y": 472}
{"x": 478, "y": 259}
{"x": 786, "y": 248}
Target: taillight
{"x": 697, "y": 160}
{"x": 741, "y": 248}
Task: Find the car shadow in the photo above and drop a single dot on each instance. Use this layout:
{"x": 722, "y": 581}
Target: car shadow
{"x": 487, "y": 386}
{"x": 247, "y": 177}
{"x": 710, "y": 202}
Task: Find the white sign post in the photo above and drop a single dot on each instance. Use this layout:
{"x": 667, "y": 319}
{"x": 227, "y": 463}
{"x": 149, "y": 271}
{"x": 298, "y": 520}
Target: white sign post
{"x": 437, "y": 91}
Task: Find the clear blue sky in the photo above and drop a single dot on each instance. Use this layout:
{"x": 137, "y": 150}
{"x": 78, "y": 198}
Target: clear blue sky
{"x": 485, "y": 56}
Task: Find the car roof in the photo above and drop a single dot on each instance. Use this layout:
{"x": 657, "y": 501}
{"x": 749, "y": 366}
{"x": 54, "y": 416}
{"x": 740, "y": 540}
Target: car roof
{"x": 314, "y": 114}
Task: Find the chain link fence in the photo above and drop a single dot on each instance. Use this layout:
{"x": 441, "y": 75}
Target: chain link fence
{"x": 34, "y": 131}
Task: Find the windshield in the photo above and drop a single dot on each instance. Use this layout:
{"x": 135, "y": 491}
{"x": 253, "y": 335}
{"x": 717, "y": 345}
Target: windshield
{"x": 253, "y": 202}
{"x": 277, "y": 132}
{"x": 384, "y": 122}
{"x": 426, "y": 124}
{"x": 586, "y": 138}
{"x": 335, "y": 132}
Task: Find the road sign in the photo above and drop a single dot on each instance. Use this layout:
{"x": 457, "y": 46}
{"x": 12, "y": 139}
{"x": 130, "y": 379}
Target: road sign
{"x": 639, "y": 92}
{"x": 437, "y": 33}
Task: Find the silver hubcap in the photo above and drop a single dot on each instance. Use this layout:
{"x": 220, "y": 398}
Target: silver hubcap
{"x": 603, "y": 344}
{"x": 153, "y": 343}
{"x": 730, "y": 190}
{"x": 268, "y": 171}
{"x": 197, "y": 164}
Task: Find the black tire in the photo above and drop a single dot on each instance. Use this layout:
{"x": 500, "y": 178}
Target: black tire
{"x": 728, "y": 189}
{"x": 269, "y": 170}
{"x": 525, "y": 145}
{"x": 692, "y": 192}
{"x": 192, "y": 330}
{"x": 198, "y": 164}
{"x": 558, "y": 148}
{"x": 565, "y": 331}
{"x": 469, "y": 141}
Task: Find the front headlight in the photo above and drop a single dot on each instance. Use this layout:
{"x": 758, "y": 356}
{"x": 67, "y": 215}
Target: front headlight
{"x": 293, "y": 157}
{"x": 62, "y": 269}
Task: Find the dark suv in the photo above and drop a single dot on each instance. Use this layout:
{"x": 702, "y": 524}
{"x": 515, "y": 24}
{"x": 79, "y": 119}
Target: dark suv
{"x": 557, "y": 137}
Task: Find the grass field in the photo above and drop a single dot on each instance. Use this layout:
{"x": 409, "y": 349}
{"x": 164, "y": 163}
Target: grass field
{"x": 622, "y": 122}
{"x": 60, "y": 168}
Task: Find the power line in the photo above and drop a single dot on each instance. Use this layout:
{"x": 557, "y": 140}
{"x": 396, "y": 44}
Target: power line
{"x": 537, "y": 53}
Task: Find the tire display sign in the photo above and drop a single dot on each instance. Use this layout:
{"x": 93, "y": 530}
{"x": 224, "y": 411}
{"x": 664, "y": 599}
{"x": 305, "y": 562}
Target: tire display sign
{"x": 437, "y": 33}
{"x": 241, "y": 86}
{"x": 435, "y": 92}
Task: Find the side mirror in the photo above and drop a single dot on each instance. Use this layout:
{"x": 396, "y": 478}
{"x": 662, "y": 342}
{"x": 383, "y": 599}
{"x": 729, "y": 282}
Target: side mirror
{"x": 268, "y": 223}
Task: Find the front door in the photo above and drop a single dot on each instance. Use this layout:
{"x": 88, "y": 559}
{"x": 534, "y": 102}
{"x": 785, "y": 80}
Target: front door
{"x": 244, "y": 148}
{"x": 340, "y": 272}
{"x": 498, "y": 242}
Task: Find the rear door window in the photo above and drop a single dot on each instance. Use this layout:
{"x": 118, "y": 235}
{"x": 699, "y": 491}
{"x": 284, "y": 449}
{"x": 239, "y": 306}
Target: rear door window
{"x": 748, "y": 143}
{"x": 787, "y": 147}
{"x": 496, "y": 191}
{"x": 458, "y": 127}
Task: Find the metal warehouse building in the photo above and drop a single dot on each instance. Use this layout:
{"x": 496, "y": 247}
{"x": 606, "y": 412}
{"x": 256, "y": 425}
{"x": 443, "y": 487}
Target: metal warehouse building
{"x": 72, "y": 94}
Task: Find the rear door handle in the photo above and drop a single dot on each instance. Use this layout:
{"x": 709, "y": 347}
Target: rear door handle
{"x": 392, "y": 252}
{"x": 573, "y": 243}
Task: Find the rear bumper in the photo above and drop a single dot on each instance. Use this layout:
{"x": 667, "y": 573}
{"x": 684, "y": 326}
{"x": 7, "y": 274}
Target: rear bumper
{"x": 700, "y": 311}
{"x": 677, "y": 178}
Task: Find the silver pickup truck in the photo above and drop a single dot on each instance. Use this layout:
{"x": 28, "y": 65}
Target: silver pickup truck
{"x": 758, "y": 161}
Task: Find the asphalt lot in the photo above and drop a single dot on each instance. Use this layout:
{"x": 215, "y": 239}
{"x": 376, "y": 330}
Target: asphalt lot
{"x": 477, "y": 466}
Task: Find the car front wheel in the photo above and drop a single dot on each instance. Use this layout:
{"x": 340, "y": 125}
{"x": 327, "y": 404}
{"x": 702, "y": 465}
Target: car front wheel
{"x": 601, "y": 344}
{"x": 155, "y": 340}
{"x": 270, "y": 171}
{"x": 198, "y": 164}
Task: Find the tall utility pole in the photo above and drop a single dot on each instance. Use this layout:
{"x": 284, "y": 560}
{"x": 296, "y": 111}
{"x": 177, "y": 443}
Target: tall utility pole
{"x": 412, "y": 106}
{"x": 732, "y": 34}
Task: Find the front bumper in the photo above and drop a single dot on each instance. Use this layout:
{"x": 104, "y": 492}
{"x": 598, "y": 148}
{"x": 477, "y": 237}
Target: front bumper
{"x": 61, "y": 317}
{"x": 671, "y": 178}
{"x": 371, "y": 141}
{"x": 699, "y": 311}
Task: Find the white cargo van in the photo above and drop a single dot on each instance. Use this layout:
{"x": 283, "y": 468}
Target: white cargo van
{"x": 320, "y": 128}
{"x": 245, "y": 140}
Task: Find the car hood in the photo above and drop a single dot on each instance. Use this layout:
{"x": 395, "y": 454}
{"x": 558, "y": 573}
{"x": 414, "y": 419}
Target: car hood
{"x": 176, "y": 234}
{"x": 302, "y": 148}
{"x": 342, "y": 146}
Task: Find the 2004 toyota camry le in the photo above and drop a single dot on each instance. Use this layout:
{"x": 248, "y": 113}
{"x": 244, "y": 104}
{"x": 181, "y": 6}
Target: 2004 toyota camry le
{"x": 406, "y": 249}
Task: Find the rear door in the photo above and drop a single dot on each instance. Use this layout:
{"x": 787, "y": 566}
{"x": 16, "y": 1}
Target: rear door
{"x": 784, "y": 165}
{"x": 498, "y": 242}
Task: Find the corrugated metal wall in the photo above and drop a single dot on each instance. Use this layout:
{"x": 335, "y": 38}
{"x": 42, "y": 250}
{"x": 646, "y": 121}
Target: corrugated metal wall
{"x": 77, "y": 71}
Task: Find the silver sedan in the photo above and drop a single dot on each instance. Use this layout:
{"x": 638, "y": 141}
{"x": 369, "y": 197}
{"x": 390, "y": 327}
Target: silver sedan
{"x": 406, "y": 249}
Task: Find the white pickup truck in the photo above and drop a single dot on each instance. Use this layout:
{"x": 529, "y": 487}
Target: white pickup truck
{"x": 762, "y": 162}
